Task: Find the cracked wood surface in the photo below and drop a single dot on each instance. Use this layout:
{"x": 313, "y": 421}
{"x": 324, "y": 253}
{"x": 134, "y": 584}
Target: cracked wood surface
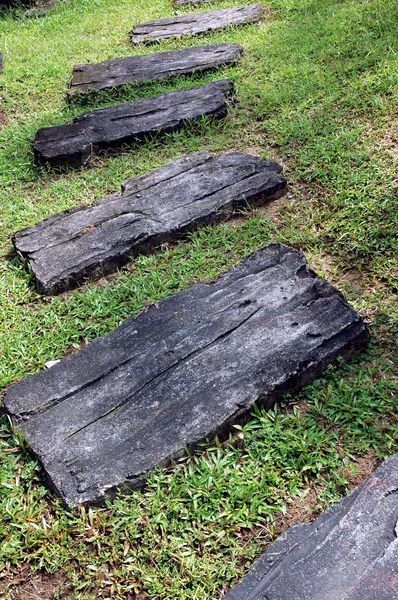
{"x": 150, "y": 67}
{"x": 186, "y": 369}
{"x": 349, "y": 553}
{"x": 196, "y": 23}
{"x": 129, "y": 123}
{"x": 155, "y": 208}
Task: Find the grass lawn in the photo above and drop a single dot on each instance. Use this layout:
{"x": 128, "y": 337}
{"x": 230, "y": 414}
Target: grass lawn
{"x": 317, "y": 90}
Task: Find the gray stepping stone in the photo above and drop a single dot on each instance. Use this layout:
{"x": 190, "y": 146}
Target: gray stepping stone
{"x": 74, "y": 143}
{"x": 349, "y": 553}
{"x": 150, "y": 67}
{"x": 171, "y": 27}
{"x": 186, "y": 369}
{"x": 158, "y": 207}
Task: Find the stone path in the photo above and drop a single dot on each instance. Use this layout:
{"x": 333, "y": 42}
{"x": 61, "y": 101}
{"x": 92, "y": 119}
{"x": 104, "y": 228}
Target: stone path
{"x": 154, "y": 31}
{"x": 74, "y": 143}
{"x": 349, "y": 553}
{"x": 135, "y": 69}
{"x": 193, "y": 365}
{"x": 152, "y": 209}
{"x": 186, "y": 369}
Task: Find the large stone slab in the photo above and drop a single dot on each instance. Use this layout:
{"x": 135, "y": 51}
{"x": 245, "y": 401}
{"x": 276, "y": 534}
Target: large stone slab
{"x": 171, "y": 27}
{"x": 349, "y": 553}
{"x": 159, "y": 207}
{"x": 129, "y": 123}
{"x": 184, "y": 370}
{"x": 149, "y": 67}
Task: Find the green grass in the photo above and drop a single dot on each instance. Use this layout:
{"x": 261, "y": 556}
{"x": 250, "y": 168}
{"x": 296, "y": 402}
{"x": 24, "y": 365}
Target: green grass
{"x": 316, "y": 90}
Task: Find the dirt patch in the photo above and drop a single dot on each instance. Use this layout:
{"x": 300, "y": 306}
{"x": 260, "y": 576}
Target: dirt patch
{"x": 3, "y": 119}
{"x": 390, "y": 138}
{"x": 38, "y": 586}
{"x": 44, "y": 586}
{"x": 303, "y": 509}
{"x": 364, "y": 467}
{"x": 272, "y": 210}
{"x": 40, "y": 7}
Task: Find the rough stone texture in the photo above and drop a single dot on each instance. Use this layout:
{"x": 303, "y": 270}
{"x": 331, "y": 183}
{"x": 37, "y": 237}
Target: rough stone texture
{"x": 152, "y": 209}
{"x": 349, "y": 553}
{"x": 129, "y": 123}
{"x": 196, "y": 23}
{"x": 134, "y": 69}
{"x": 184, "y": 370}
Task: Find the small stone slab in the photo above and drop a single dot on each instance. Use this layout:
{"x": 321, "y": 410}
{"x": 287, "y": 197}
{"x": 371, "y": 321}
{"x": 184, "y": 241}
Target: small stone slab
{"x": 159, "y": 207}
{"x": 150, "y": 67}
{"x": 349, "y": 553}
{"x": 171, "y": 27}
{"x": 186, "y": 369}
{"x": 74, "y": 143}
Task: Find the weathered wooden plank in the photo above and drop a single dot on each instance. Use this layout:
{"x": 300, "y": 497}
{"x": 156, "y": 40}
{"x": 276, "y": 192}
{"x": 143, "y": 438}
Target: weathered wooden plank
{"x": 152, "y": 209}
{"x": 129, "y": 123}
{"x": 149, "y": 67}
{"x": 349, "y": 553}
{"x": 186, "y": 369}
{"x": 196, "y": 23}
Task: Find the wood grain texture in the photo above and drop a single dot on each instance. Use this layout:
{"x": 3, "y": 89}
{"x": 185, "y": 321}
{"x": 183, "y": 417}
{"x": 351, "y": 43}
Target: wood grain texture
{"x": 158, "y": 207}
{"x": 193, "y": 24}
{"x": 160, "y": 65}
{"x": 184, "y": 370}
{"x": 349, "y": 553}
{"x": 129, "y": 123}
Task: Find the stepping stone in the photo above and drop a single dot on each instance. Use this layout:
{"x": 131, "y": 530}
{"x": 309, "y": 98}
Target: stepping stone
{"x": 186, "y": 369}
{"x": 129, "y": 123}
{"x": 349, "y": 553}
{"x": 155, "y": 208}
{"x": 135, "y": 69}
{"x": 171, "y": 27}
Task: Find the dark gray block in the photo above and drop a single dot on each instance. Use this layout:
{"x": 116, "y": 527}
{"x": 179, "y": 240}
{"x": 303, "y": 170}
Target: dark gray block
{"x": 184, "y": 370}
{"x": 196, "y": 23}
{"x": 129, "y": 123}
{"x": 159, "y": 207}
{"x": 349, "y": 553}
{"x": 149, "y": 67}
